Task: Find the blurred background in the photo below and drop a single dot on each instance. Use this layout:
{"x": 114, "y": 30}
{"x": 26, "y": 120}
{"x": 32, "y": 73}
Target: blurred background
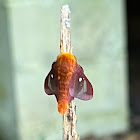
{"x": 105, "y": 35}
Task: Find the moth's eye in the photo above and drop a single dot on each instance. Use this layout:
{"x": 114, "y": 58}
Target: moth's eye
{"x": 81, "y": 79}
{"x": 52, "y": 76}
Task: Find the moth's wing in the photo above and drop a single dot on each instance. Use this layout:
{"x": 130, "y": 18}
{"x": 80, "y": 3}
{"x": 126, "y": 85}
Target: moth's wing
{"x": 79, "y": 86}
{"x": 51, "y": 81}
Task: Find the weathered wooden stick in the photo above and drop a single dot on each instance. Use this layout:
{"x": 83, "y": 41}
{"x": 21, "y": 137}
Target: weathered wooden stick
{"x": 69, "y": 119}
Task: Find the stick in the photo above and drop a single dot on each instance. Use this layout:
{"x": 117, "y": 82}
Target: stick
{"x": 69, "y": 119}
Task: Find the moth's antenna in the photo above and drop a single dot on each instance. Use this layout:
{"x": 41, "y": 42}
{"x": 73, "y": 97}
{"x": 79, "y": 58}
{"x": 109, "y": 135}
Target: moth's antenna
{"x": 69, "y": 118}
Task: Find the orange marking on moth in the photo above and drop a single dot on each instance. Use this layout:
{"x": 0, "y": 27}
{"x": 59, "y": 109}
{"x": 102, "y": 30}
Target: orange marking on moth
{"x": 65, "y": 64}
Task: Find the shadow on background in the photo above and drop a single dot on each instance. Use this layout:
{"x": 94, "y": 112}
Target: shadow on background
{"x": 133, "y": 20}
{"x": 8, "y": 122}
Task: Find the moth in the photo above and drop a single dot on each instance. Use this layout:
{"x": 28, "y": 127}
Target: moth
{"x": 66, "y": 80}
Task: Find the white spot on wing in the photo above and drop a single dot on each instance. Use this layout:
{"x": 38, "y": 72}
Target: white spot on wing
{"x": 52, "y": 76}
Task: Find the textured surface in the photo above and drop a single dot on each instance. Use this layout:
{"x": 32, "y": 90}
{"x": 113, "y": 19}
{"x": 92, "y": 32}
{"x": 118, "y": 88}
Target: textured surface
{"x": 98, "y": 39}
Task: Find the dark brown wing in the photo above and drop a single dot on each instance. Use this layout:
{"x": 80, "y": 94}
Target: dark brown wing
{"x": 51, "y": 81}
{"x": 79, "y": 86}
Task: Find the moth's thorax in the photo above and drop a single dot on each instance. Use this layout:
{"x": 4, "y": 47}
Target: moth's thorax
{"x": 65, "y": 66}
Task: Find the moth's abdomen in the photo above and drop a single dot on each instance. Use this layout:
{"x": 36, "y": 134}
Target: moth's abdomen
{"x": 65, "y": 65}
{"x": 62, "y": 106}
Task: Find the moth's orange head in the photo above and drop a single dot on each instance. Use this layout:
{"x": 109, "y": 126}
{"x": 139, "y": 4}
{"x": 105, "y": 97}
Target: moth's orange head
{"x": 67, "y": 56}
